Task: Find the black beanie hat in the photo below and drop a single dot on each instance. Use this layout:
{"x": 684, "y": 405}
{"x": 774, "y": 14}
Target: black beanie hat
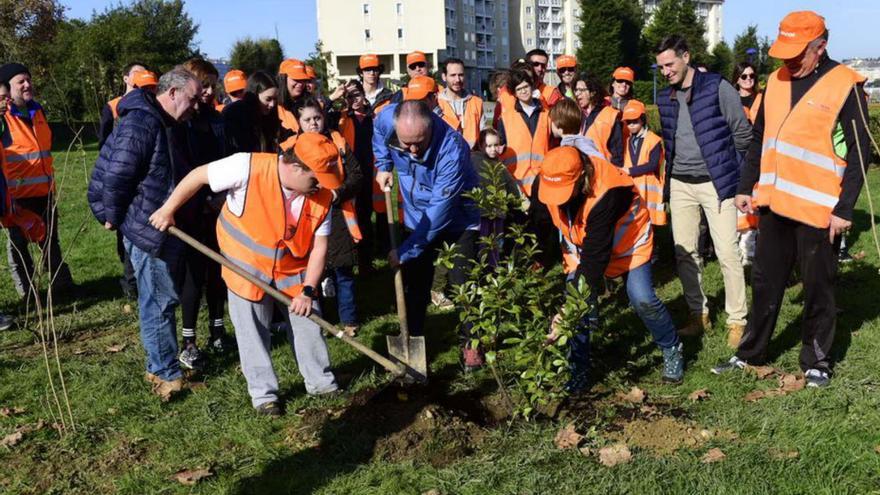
{"x": 8, "y": 71}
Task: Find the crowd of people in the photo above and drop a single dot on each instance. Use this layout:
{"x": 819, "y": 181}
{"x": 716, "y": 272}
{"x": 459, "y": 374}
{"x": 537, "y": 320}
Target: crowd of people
{"x": 289, "y": 183}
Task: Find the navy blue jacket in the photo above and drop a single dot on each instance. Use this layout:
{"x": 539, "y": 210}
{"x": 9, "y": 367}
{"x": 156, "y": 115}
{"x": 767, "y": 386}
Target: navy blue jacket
{"x": 711, "y": 129}
{"x": 136, "y": 171}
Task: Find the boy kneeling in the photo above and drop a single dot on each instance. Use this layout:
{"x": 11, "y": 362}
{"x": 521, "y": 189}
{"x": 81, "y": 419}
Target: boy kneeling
{"x": 275, "y": 224}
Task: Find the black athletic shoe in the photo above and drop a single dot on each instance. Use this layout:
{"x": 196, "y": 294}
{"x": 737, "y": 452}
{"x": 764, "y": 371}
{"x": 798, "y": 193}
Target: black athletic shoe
{"x": 817, "y": 378}
{"x": 191, "y": 358}
{"x": 271, "y": 409}
{"x": 731, "y": 364}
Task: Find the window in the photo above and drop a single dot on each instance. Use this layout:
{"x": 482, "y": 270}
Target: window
{"x": 529, "y": 26}
{"x": 366, "y": 8}
{"x": 399, "y": 8}
{"x": 529, "y": 41}
{"x": 400, "y": 33}
{"x": 528, "y": 9}
{"x": 367, "y": 34}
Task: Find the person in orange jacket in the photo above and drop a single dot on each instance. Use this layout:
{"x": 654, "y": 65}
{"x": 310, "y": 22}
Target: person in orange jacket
{"x": 27, "y": 140}
{"x": 539, "y": 59}
{"x": 745, "y": 80}
{"x": 601, "y": 122}
{"x": 275, "y": 224}
{"x": 643, "y": 160}
{"x": 621, "y": 88}
{"x": 566, "y": 67}
{"x": 460, "y": 109}
{"x": 108, "y": 112}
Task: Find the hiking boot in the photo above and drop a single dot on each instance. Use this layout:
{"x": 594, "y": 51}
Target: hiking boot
{"x": 472, "y": 358}
{"x": 165, "y": 389}
{"x": 6, "y": 322}
{"x": 222, "y": 344}
{"x": 734, "y": 363}
{"x": 271, "y": 409}
{"x": 673, "y": 364}
{"x": 697, "y": 324}
{"x": 817, "y": 378}
{"x": 440, "y": 300}
{"x": 734, "y": 334}
{"x": 191, "y": 358}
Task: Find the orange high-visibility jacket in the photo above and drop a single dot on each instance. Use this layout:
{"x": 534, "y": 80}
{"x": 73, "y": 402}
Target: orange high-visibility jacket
{"x": 114, "y": 106}
{"x": 550, "y": 95}
{"x": 528, "y": 150}
{"x": 801, "y": 175}
{"x": 259, "y": 240}
{"x": 469, "y": 123}
{"x": 28, "y": 168}
{"x": 752, "y": 111}
{"x": 288, "y": 120}
{"x": 650, "y": 186}
{"x": 633, "y": 241}
{"x": 600, "y": 130}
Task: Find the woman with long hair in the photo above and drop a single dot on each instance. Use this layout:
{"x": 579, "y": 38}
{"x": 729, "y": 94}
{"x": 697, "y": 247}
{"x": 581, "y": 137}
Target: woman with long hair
{"x": 252, "y": 122}
{"x": 745, "y": 80}
{"x": 600, "y": 122}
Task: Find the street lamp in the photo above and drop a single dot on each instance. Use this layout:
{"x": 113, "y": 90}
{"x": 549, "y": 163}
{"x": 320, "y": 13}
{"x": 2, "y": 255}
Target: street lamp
{"x": 654, "y": 76}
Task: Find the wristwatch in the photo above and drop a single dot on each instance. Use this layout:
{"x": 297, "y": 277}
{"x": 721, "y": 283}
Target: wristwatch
{"x": 308, "y": 291}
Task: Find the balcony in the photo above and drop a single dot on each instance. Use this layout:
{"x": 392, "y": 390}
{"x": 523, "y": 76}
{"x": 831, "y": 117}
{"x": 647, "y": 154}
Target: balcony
{"x": 480, "y": 9}
{"x": 550, "y": 3}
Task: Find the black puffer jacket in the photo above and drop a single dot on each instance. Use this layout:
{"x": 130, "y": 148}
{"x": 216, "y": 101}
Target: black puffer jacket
{"x": 342, "y": 250}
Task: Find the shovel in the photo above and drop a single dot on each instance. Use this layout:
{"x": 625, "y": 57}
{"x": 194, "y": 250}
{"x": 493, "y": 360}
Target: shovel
{"x": 402, "y": 348}
{"x": 395, "y": 368}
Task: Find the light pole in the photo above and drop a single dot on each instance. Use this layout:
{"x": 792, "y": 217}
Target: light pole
{"x": 654, "y": 77}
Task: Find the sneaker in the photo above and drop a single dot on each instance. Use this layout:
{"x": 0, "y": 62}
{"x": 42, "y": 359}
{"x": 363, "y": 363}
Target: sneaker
{"x": 165, "y": 389}
{"x": 844, "y": 257}
{"x": 440, "y": 300}
{"x": 222, "y": 344}
{"x": 191, "y": 358}
{"x": 734, "y": 334}
{"x": 6, "y": 322}
{"x": 271, "y": 409}
{"x": 697, "y": 324}
{"x": 673, "y": 364}
{"x": 734, "y": 363}
{"x": 473, "y": 359}
{"x": 817, "y": 378}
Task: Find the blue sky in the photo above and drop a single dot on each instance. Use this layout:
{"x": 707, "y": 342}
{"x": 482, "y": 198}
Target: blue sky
{"x": 853, "y": 23}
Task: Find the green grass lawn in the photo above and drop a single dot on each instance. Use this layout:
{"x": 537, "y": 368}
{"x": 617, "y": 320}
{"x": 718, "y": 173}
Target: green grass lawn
{"x": 388, "y": 442}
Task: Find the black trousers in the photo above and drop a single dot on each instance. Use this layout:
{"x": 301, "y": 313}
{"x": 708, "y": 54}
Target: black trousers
{"x": 541, "y": 224}
{"x": 781, "y": 243}
{"x": 200, "y": 273}
{"x": 418, "y": 274}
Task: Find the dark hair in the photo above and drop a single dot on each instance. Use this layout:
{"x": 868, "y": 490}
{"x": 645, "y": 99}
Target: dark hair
{"x": 516, "y": 78}
{"x": 5, "y": 84}
{"x": 130, "y": 65}
{"x": 284, "y": 98}
{"x": 522, "y": 65}
{"x": 498, "y": 79}
{"x": 629, "y": 94}
{"x": 738, "y": 69}
{"x": 452, "y": 60}
{"x": 597, "y": 91}
{"x": 360, "y": 72}
{"x": 308, "y": 102}
{"x": 537, "y": 51}
{"x": 567, "y": 116}
{"x": 202, "y": 69}
{"x": 260, "y": 81}
{"x": 674, "y": 42}
{"x": 489, "y": 132}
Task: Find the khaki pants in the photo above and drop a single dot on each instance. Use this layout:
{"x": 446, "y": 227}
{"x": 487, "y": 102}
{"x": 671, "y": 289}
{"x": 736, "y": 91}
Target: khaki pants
{"x": 685, "y": 203}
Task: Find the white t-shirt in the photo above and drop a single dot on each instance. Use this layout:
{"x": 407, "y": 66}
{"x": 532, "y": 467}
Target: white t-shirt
{"x": 231, "y": 174}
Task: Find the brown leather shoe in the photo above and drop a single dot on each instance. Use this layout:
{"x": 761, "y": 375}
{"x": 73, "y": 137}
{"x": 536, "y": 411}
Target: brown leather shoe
{"x": 164, "y": 389}
{"x": 697, "y": 324}
{"x": 351, "y": 330}
{"x": 734, "y": 334}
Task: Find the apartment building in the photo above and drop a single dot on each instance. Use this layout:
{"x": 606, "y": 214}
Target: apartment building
{"x": 551, "y": 25}
{"x": 709, "y": 11}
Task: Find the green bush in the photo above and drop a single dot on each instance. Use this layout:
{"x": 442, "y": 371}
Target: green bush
{"x": 874, "y": 127}
{"x": 644, "y": 91}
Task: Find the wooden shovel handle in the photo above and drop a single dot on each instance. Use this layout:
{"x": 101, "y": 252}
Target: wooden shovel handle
{"x": 398, "y": 274}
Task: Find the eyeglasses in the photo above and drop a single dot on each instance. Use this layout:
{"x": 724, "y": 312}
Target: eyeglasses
{"x": 581, "y": 90}
{"x": 371, "y": 69}
{"x": 622, "y": 81}
{"x": 538, "y": 64}
{"x": 418, "y": 65}
{"x": 566, "y": 69}
{"x": 746, "y": 77}
{"x": 524, "y": 89}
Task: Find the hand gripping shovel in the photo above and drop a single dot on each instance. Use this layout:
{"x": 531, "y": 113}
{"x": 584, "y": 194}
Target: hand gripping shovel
{"x": 403, "y": 348}
{"x": 396, "y": 368}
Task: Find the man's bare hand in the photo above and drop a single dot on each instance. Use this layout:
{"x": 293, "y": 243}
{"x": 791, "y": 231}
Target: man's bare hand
{"x": 838, "y": 227}
{"x": 385, "y": 180}
{"x": 743, "y": 203}
{"x": 301, "y": 305}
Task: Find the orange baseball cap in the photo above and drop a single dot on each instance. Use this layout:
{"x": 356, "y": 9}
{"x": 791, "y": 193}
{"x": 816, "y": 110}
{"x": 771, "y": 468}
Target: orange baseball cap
{"x": 419, "y": 87}
{"x": 369, "y": 60}
{"x": 560, "y": 171}
{"x": 624, "y": 74}
{"x": 234, "y": 80}
{"x": 310, "y": 71}
{"x": 633, "y": 110}
{"x": 321, "y": 156}
{"x": 416, "y": 57}
{"x": 145, "y": 78}
{"x": 566, "y": 62}
{"x": 294, "y": 69}
{"x": 796, "y": 31}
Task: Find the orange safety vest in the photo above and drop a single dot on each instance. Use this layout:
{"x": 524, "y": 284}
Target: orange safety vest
{"x": 547, "y": 95}
{"x": 28, "y": 165}
{"x": 288, "y": 120}
{"x": 801, "y": 174}
{"x": 346, "y": 128}
{"x": 752, "y": 111}
{"x": 650, "y": 186}
{"x": 528, "y": 151}
{"x": 633, "y": 241}
{"x": 469, "y": 123}
{"x": 259, "y": 241}
{"x": 114, "y": 106}
{"x": 749, "y": 221}
{"x": 600, "y": 130}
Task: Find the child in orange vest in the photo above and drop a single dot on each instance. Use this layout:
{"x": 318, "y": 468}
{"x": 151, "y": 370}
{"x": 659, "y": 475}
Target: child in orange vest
{"x": 275, "y": 224}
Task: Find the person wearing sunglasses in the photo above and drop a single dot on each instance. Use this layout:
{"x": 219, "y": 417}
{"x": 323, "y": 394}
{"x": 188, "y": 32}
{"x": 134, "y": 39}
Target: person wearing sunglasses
{"x": 370, "y": 71}
{"x": 621, "y": 87}
{"x": 539, "y": 59}
{"x": 566, "y": 67}
{"x": 417, "y": 64}
{"x": 745, "y": 80}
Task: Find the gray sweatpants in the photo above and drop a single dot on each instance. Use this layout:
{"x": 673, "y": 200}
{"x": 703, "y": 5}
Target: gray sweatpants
{"x": 252, "y": 320}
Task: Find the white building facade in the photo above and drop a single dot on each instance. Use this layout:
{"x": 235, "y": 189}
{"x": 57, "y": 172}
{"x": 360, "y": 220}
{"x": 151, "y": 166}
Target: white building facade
{"x": 709, "y": 11}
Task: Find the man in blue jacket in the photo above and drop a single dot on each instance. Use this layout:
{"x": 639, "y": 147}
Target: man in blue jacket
{"x": 138, "y": 167}
{"x": 706, "y": 134}
{"x": 434, "y": 169}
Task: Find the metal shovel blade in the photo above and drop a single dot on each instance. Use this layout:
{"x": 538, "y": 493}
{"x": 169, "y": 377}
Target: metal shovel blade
{"x": 410, "y": 352}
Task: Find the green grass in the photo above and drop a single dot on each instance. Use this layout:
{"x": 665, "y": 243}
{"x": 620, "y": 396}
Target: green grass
{"x": 126, "y": 441}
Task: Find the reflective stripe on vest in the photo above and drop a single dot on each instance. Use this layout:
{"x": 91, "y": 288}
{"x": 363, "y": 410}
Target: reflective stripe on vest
{"x": 527, "y": 151}
{"x": 35, "y": 155}
{"x": 650, "y": 186}
{"x": 28, "y": 169}
{"x": 600, "y": 130}
{"x": 801, "y": 174}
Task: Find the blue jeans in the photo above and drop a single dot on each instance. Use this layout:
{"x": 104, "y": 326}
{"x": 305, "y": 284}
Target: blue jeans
{"x": 344, "y": 277}
{"x": 644, "y": 301}
{"x": 157, "y": 301}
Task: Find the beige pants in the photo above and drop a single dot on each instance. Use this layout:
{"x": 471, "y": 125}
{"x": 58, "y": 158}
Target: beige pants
{"x": 685, "y": 202}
